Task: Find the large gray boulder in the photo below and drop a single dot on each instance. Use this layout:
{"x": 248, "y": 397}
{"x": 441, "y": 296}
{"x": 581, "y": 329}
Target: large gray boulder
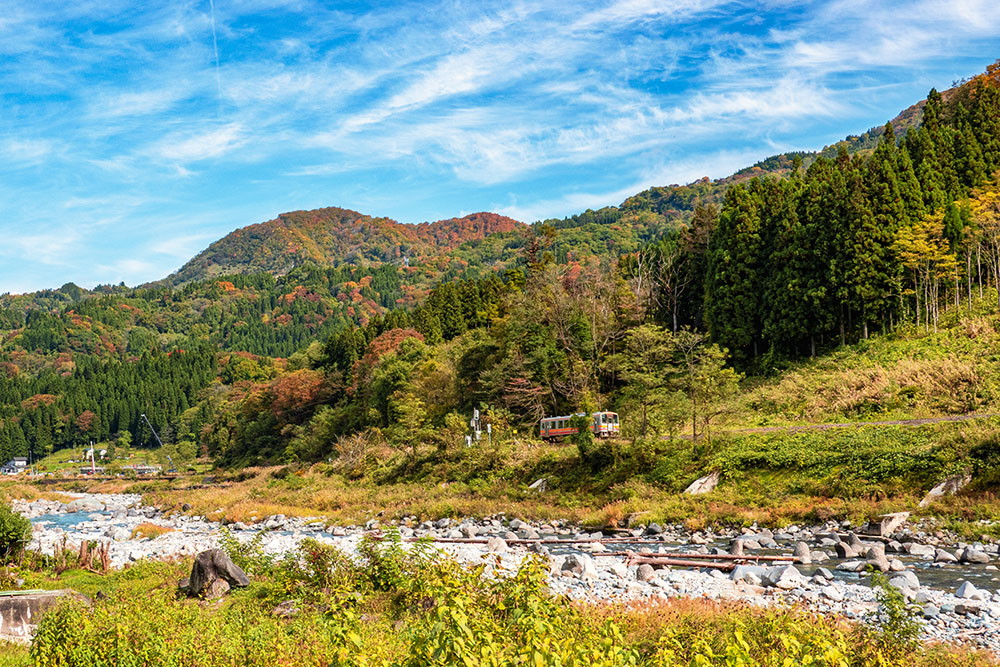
{"x": 887, "y": 524}
{"x": 948, "y": 487}
{"x": 704, "y": 484}
{"x": 970, "y": 555}
{"x": 580, "y": 565}
{"x": 782, "y": 576}
{"x": 210, "y": 568}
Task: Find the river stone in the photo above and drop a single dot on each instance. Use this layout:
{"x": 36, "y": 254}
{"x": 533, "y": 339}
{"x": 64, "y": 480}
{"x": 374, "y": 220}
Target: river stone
{"x": 921, "y": 550}
{"x": 645, "y": 573}
{"x": 736, "y": 547}
{"x": 831, "y": 592}
{"x": 845, "y": 550}
{"x": 802, "y": 554}
{"x": 210, "y": 566}
{"x": 970, "y": 555}
{"x": 782, "y": 576}
{"x": 965, "y": 590}
{"x": 85, "y": 505}
{"x": 580, "y": 565}
{"x": 496, "y": 545}
{"x": 852, "y": 566}
{"x": 876, "y": 558}
{"x": 942, "y": 556}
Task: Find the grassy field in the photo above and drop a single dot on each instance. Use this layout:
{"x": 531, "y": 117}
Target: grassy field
{"x": 419, "y": 608}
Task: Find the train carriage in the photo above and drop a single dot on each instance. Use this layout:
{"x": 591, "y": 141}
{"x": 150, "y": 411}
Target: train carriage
{"x": 602, "y": 425}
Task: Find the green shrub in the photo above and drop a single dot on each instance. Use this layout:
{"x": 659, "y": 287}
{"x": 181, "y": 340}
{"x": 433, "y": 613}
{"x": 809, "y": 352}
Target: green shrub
{"x": 15, "y": 532}
{"x": 250, "y": 556}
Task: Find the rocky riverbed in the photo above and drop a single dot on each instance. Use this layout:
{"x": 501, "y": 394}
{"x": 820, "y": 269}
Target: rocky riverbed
{"x": 955, "y": 584}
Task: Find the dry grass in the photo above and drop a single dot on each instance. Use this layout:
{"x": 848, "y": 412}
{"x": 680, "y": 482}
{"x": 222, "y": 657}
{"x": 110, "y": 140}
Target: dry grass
{"x": 150, "y": 530}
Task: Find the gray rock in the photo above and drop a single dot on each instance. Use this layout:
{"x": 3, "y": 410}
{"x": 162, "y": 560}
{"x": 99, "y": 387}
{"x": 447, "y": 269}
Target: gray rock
{"x": 831, "y": 592}
{"x": 736, "y": 548}
{"x": 782, "y": 576}
{"x": 887, "y": 524}
{"x": 802, "y": 554}
{"x": 942, "y": 556}
{"x": 968, "y": 609}
{"x": 947, "y": 487}
{"x": 496, "y": 545}
{"x": 211, "y": 566}
{"x": 823, "y": 572}
{"x": 580, "y": 565}
{"x": 852, "y": 566}
{"x": 931, "y": 612}
{"x": 845, "y": 550}
{"x": 965, "y": 590}
{"x": 468, "y": 530}
{"x": 743, "y": 572}
{"x": 704, "y": 484}
{"x": 970, "y": 555}
{"x": 876, "y": 558}
{"x": 908, "y": 577}
{"x": 920, "y": 550}
{"x": 654, "y": 529}
{"x": 645, "y": 573}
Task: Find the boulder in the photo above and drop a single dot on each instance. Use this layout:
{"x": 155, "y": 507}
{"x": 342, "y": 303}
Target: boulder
{"x": 212, "y": 566}
{"x": 970, "y": 555}
{"x": 782, "y": 576}
{"x": 845, "y": 550}
{"x": 751, "y": 573}
{"x": 887, "y": 524}
{"x": 580, "y": 565}
{"x": 876, "y": 558}
{"x": 703, "y": 484}
{"x": 920, "y": 550}
{"x": 948, "y": 487}
{"x": 496, "y": 545}
{"x": 645, "y": 573}
{"x": 802, "y": 554}
{"x": 965, "y": 590}
{"x": 539, "y": 485}
{"x": 85, "y": 505}
{"x": 942, "y": 556}
{"x": 831, "y": 592}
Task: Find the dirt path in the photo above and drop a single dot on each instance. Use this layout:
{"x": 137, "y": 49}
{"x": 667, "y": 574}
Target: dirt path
{"x": 891, "y": 422}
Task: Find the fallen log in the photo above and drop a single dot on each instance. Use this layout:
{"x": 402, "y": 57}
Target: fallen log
{"x": 678, "y": 562}
{"x": 722, "y": 557}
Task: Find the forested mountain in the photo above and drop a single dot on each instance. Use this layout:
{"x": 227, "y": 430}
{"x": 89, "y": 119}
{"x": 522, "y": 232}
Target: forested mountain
{"x": 284, "y": 337}
{"x": 335, "y": 236}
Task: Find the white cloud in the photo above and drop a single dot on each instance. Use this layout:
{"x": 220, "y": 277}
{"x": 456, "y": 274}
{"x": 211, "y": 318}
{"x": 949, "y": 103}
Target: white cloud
{"x": 27, "y": 151}
{"x": 203, "y": 145}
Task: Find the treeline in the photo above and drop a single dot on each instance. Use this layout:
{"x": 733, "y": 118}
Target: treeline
{"x": 847, "y": 245}
{"x": 102, "y": 400}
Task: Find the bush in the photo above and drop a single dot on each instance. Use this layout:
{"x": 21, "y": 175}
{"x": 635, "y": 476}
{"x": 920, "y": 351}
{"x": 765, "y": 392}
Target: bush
{"x": 15, "y": 532}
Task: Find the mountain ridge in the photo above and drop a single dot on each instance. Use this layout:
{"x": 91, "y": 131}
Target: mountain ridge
{"x": 332, "y": 236}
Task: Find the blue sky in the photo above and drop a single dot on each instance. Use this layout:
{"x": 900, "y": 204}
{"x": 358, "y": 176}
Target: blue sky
{"x": 132, "y": 134}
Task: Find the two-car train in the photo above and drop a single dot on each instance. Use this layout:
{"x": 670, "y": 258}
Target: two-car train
{"x": 602, "y": 425}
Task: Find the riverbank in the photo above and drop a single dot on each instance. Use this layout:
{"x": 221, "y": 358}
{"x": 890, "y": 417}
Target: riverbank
{"x": 953, "y": 583}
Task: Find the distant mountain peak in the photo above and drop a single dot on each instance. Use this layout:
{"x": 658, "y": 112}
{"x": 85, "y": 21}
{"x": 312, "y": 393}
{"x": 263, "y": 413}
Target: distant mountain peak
{"x": 332, "y": 236}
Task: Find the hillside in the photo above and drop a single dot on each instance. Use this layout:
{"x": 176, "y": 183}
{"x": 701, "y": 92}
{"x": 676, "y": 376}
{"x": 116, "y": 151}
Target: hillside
{"x": 335, "y": 236}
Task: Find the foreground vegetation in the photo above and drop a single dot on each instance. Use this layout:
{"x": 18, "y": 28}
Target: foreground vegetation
{"x": 417, "y": 608}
